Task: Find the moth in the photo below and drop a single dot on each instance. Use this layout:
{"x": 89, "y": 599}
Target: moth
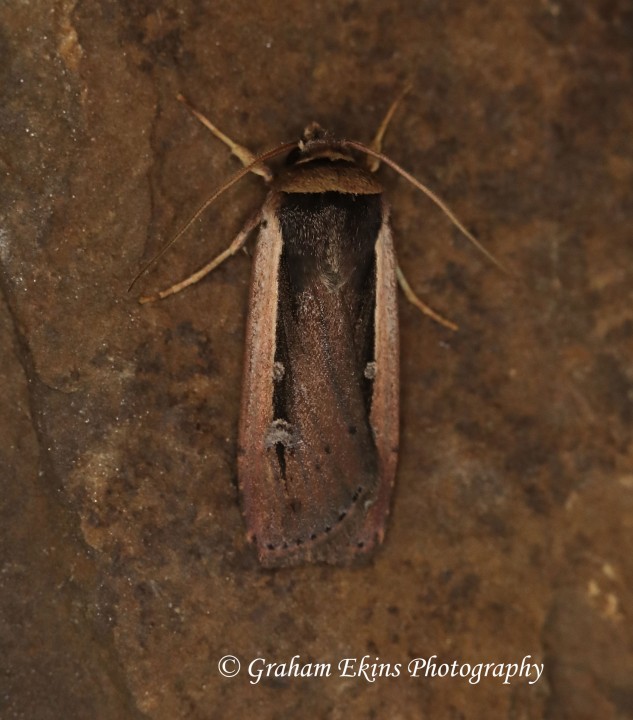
{"x": 319, "y": 423}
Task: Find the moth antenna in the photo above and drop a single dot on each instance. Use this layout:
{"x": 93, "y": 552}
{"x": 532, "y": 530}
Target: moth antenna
{"x": 432, "y": 196}
{"x": 376, "y": 145}
{"x": 279, "y": 150}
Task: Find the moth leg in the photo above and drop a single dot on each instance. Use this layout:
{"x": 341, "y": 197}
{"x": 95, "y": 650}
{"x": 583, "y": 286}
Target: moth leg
{"x": 243, "y": 154}
{"x": 237, "y": 244}
{"x": 376, "y": 144}
{"x": 423, "y": 307}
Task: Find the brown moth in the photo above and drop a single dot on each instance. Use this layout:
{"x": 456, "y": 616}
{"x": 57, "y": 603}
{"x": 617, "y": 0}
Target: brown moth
{"x": 318, "y": 432}
{"x": 318, "y": 437}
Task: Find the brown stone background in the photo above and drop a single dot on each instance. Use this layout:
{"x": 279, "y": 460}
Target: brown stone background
{"x": 125, "y": 575}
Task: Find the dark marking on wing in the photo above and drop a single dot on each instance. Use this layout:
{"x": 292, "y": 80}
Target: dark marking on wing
{"x": 324, "y": 342}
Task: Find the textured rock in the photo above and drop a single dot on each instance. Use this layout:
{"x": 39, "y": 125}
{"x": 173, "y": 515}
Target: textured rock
{"x": 125, "y": 572}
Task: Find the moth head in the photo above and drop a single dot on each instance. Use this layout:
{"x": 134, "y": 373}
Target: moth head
{"x": 313, "y": 132}
{"x": 316, "y": 143}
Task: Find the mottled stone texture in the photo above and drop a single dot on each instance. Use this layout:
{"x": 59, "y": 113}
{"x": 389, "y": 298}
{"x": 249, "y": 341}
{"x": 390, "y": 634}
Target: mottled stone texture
{"x": 125, "y": 572}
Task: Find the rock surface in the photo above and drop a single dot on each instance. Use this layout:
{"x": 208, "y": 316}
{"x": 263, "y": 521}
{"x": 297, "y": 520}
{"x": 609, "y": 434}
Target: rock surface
{"x": 125, "y": 572}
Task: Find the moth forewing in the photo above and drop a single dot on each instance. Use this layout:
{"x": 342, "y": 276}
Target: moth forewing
{"x": 384, "y": 415}
{"x": 257, "y": 485}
